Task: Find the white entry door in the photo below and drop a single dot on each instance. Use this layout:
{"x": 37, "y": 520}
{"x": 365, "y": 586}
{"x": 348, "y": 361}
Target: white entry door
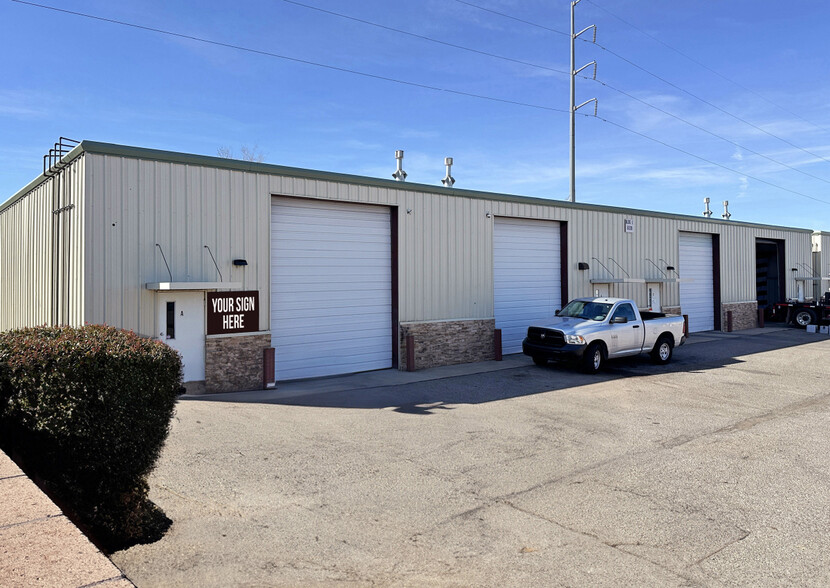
{"x": 180, "y": 322}
{"x": 654, "y": 303}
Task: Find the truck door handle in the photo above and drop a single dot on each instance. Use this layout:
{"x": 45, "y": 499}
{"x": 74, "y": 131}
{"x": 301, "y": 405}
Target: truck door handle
{"x": 636, "y": 326}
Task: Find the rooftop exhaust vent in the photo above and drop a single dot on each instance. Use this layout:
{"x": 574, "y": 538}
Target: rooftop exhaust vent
{"x": 399, "y": 174}
{"x": 448, "y": 180}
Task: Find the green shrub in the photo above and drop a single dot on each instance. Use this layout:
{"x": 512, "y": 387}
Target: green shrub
{"x": 88, "y": 409}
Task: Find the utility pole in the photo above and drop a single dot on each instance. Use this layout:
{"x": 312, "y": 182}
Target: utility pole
{"x": 574, "y": 108}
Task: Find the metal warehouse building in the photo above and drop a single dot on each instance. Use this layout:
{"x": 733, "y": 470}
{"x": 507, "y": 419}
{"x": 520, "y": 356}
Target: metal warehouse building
{"x": 226, "y": 259}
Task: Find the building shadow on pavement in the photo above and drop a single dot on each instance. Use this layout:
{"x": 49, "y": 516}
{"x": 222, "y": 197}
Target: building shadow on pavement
{"x": 516, "y": 377}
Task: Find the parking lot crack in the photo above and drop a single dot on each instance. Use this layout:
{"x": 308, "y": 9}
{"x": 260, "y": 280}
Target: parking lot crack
{"x": 750, "y": 422}
{"x": 617, "y": 545}
{"x": 744, "y": 535}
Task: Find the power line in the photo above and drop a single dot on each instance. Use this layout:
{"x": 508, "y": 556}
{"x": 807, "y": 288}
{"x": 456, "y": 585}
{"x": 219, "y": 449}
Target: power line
{"x": 709, "y": 69}
{"x": 535, "y": 65}
{"x": 527, "y": 22}
{"x": 407, "y": 83}
{"x": 425, "y": 38}
{"x": 709, "y": 161}
{"x": 708, "y": 132}
{"x": 294, "y": 59}
{"x": 654, "y": 75}
{"x": 711, "y": 105}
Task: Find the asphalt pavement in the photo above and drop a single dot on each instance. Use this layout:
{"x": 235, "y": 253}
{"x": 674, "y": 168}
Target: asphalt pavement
{"x": 711, "y": 471}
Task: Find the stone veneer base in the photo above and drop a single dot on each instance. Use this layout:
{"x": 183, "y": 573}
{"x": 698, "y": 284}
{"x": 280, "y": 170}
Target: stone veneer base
{"x": 744, "y": 315}
{"x": 440, "y": 343}
{"x": 234, "y": 363}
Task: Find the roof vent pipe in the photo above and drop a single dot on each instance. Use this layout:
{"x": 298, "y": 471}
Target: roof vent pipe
{"x": 448, "y": 180}
{"x": 726, "y": 214}
{"x": 399, "y": 174}
{"x": 707, "y": 213}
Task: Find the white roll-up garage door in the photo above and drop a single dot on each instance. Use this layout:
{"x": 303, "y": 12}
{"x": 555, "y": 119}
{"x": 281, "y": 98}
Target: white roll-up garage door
{"x": 331, "y": 287}
{"x": 527, "y": 276}
{"x": 697, "y": 281}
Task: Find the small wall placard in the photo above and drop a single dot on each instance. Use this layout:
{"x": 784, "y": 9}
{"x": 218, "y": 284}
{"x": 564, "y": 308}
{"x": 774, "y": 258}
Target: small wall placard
{"x": 232, "y": 312}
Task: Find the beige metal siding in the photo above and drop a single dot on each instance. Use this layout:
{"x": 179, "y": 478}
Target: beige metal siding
{"x": 445, "y": 239}
{"x": 601, "y": 235}
{"x": 821, "y": 249}
{"x": 41, "y": 253}
{"x": 821, "y": 262}
{"x": 445, "y": 246}
{"x": 134, "y": 204}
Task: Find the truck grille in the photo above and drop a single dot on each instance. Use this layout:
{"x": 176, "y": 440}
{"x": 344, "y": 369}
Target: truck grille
{"x": 547, "y": 337}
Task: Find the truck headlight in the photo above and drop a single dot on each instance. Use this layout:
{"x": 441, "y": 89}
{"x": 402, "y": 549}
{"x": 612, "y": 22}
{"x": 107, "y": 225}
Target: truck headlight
{"x": 574, "y": 339}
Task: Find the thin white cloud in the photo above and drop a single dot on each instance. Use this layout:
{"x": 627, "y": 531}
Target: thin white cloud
{"x": 23, "y": 104}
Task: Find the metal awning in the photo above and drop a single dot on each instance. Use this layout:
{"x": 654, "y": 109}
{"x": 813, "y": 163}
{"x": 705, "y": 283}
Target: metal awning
{"x": 168, "y": 286}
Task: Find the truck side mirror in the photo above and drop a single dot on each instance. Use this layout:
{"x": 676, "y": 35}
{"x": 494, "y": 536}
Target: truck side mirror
{"x": 557, "y": 312}
{"x": 619, "y": 320}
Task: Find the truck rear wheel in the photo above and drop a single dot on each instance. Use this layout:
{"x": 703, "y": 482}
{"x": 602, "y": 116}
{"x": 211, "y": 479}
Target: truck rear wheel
{"x": 662, "y": 352}
{"x": 805, "y": 317}
{"x": 593, "y": 359}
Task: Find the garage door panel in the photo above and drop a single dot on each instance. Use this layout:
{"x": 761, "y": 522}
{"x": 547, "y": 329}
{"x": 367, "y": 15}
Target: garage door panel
{"x": 697, "y": 281}
{"x": 301, "y": 286}
{"x": 331, "y": 295}
{"x": 526, "y": 274}
{"x": 334, "y": 328}
{"x": 304, "y": 347}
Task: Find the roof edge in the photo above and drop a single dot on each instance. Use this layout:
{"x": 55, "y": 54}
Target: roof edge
{"x": 117, "y": 150}
{"x": 73, "y": 154}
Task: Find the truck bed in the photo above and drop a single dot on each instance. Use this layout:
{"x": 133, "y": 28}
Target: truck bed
{"x": 647, "y": 315}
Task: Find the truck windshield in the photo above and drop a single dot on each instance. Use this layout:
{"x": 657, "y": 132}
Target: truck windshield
{"x": 595, "y": 311}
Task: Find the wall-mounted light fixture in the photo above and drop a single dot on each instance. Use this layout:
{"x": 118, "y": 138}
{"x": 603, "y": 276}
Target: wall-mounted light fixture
{"x": 582, "y": 266}
{"x": 408, "y": 211}
{"x": 669, "y": 268}
{"x": 794, "y": 270}
{"x": 240, "y": 262}
{"x": 487, "y": 214}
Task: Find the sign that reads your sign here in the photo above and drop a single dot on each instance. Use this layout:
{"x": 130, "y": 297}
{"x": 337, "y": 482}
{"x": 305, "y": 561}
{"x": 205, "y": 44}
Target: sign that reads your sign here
{"x": 232, "y": 312}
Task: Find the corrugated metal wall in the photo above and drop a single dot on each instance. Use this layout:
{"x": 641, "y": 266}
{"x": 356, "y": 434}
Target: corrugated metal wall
{"x": 821, "y": 262}
{"x": 598, "y": 235}
{"x": 41, "y": 253}
{"x": 821, "y": 246}
{"x": 445, "y": 252}
{"x": 446, "y": 241}
{"x": 447, "y": 247}
{"x": 132, "y": 205}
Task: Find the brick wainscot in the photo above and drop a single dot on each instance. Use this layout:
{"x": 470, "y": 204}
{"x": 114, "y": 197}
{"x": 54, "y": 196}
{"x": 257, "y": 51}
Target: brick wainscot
{"x": 234, "y": 362}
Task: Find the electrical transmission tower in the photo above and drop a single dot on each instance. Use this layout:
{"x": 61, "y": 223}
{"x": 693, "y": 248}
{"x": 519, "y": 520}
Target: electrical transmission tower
{"x": 574, "y": 108}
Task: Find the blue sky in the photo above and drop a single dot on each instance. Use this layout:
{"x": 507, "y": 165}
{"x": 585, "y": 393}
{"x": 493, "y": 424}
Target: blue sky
{"x": 740, "y": 84}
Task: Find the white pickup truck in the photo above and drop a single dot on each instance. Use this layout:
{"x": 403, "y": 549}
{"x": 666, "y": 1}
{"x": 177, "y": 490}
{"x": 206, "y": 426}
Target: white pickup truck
{"x": 592, "y": 330}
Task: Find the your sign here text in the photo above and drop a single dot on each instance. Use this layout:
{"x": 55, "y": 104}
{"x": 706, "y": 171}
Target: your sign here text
{"x": 232, "y": 312}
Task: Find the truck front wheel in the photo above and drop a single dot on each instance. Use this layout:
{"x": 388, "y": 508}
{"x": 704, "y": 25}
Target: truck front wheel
{"x": 805, "y": 317}
{"x": 593, "y": 359}
{"x": 662, "y": 352}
